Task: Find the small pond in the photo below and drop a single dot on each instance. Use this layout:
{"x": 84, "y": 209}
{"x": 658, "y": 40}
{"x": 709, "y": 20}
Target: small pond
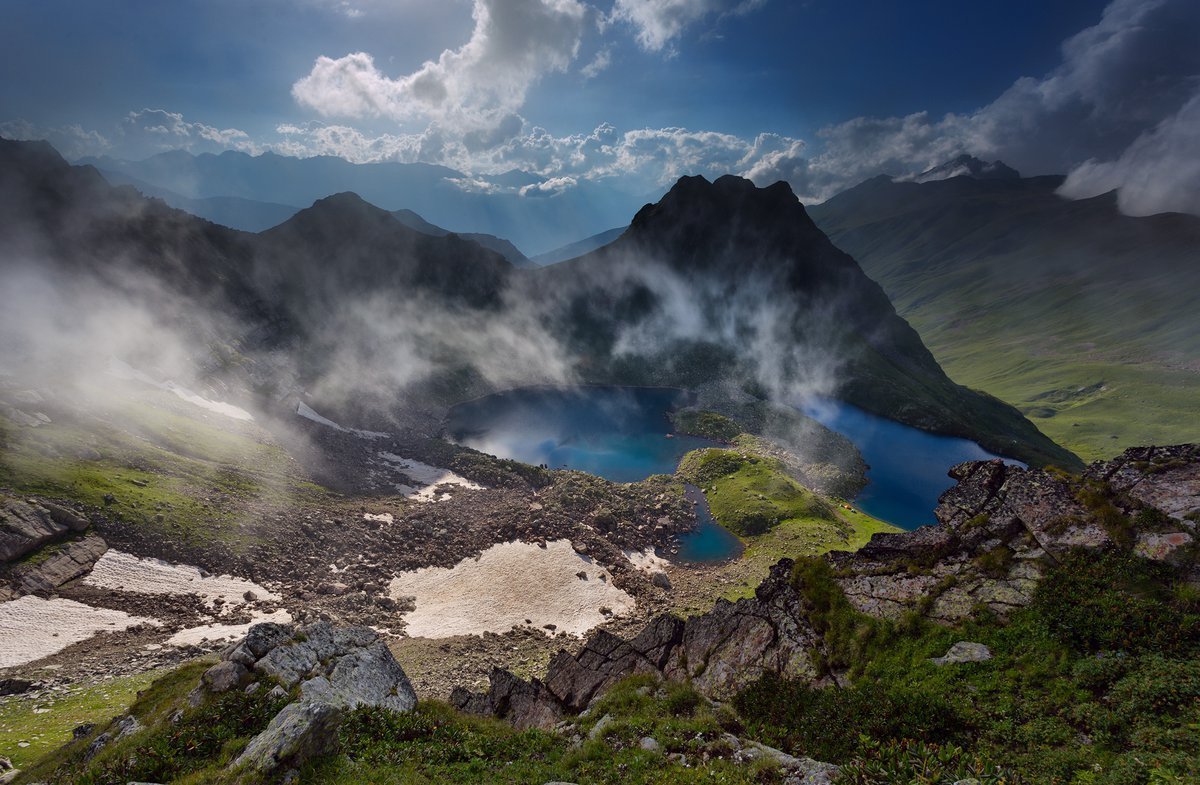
{"x": 709, "y": 541}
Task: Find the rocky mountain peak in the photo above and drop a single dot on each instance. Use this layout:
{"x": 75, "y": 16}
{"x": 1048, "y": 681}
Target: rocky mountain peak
{"x": 969, "y": 166}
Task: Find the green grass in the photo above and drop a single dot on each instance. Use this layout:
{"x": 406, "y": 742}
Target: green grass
{"x": 143, "y": 463}
{"x": 750, "y": 494}
{"x": 1097, "y": 682}
{"x": 1096, "y": 408}
{"x": 433, "y": 744}
{"x": 45, "y": 724}
{"x": 743, "y": 488}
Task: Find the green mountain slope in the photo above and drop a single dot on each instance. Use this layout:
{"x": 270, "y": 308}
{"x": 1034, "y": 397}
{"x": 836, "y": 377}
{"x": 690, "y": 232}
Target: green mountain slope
{"x": 1083, "y": 318}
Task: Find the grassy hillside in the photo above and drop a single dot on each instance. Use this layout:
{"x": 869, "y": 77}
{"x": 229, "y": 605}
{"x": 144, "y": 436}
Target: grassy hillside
{"x": 1081, "y": 317}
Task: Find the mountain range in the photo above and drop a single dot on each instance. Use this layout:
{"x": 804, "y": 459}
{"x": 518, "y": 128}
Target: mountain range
{"x": 716, "y": 282}
{"x": 523, "y": 208}
{"x": 1081, "y": 316}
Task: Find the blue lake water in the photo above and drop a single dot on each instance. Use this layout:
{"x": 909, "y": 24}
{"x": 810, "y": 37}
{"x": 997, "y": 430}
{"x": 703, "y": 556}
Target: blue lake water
{"x": 623, "y": 434}
{"x": 907, "y": 465}
{"x": 620, "y": 433}
{"x": 709, "y": 541}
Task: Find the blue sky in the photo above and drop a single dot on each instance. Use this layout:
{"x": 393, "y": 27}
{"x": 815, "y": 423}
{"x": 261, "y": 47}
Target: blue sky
{"x": 822, "y": 93}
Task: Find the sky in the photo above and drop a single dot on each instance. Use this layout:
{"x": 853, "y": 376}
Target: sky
{"x": 821, "y": 93}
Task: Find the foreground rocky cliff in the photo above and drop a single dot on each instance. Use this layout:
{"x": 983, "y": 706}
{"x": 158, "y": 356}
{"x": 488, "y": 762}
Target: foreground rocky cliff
{"x": 1000, "y": 529}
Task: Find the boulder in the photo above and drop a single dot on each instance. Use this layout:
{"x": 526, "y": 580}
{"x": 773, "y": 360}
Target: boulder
{"x": 300, "y": 731}
{"x": 369, "y": 676}
{"x": 337, "y": 669}
{"x": 964, "y": 651}
{"x": 225, "y": 676}
{"x": 71, "y": 560}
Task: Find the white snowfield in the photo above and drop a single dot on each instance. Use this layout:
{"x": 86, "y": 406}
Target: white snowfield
{"x": 123, "y": 370}
{"x": 194, "y": 636}
{"x": 126, "y": 572}
{"x": 506, "y": 585}
{"x": 32, "y": 628}
{"x": 430, "y": 478}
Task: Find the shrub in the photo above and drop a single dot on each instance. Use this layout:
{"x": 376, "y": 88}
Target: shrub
{"x": 1114, "y": 602}
{"x": 911, "y": 762}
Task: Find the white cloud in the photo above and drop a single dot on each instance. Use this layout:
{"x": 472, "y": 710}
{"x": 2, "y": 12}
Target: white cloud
{"x": 1159, "y": 172}
{"x": 159, "y": 129}
{"x": 555, "y": 185}
{"x": 598, "y": 64}
{"x": 659, "y": 22}
{"x": 479, "y": 85}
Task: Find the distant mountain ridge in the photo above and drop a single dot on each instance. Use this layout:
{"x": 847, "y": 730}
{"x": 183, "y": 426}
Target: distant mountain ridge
{"x": 579, "y": 248}
{"x": 536, "y": 222}
{"x": 1083, "y": 317}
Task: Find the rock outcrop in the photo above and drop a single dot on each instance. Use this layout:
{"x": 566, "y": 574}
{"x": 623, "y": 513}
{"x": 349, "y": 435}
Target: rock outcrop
{"x": 718, "y": 652}
{"x": 26, "y": 526}
{"x": 999, "y": 529}
{"x": 329, "y": 670}
{"x": 68, "y": 561}
{"x": 37, "y": 552}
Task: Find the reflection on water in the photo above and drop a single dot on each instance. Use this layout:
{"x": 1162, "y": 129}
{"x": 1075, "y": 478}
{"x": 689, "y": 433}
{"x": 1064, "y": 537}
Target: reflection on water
{"x": 907, "y": 465}
{"x": 620, "y": 433}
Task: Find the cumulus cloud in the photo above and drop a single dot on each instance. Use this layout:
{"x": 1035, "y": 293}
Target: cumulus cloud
{"x": 479, "y": 85}
{"x": 657, "y": 23}
{"x": 159, "y": 129}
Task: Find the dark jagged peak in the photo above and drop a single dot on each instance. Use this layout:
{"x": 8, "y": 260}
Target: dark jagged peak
{"x": 969, "y": 166}
{"x": 701, "y": 225}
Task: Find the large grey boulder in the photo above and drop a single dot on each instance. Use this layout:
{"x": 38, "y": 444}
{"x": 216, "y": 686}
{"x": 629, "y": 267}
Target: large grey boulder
{"x": 70, "y": 561}
{"x": 300, "y": 731}
{"x": 336, "y": 669}
{"x": 369, "y": 676}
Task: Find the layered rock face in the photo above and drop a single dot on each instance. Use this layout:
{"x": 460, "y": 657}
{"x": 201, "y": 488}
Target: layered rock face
{"x": 999, "y": 529}
{"x": 29, "y": 527}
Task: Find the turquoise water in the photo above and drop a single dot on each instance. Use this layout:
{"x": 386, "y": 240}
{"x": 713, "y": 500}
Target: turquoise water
{"x": 709, "y": 541}
{"x": 619, "y": 433}
{"x": 907, "y": 466}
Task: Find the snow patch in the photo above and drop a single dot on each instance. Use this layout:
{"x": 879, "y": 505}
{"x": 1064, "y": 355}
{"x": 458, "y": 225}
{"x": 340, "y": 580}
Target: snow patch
{"x": 123, "y": 370}
{"x": 381, "y": 517}
{"x": 431, "y": 479}
{"x": 308, "y": 413}
{"x": 505, "y": 585}
{"x": 32, "y": 628}
{"x": 126, "y": 572}
{"x": 194, "y": 636}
